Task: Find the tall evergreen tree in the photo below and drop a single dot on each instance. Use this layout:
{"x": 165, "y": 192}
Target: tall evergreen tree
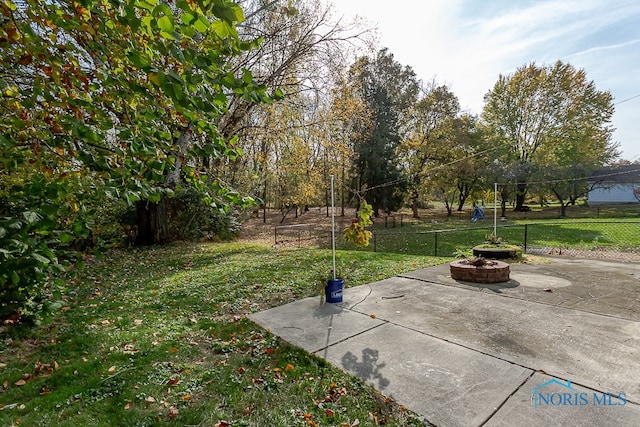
{"x": 388, "y": 90}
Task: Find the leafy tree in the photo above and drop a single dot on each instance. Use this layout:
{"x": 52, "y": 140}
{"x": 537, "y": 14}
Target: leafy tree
{"x": 427, "y": 143}
{"x": 539, "y": 107}
{"x": 388, "y": 90}
{"x": 109, "y": 96}
{"x": 470, "y": 167}
{"x": 302, "y": 49}
{"x": 565, "y": 167}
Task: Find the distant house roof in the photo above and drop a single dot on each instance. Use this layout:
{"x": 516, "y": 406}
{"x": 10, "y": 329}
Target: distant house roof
{"x": 616, "y": 175}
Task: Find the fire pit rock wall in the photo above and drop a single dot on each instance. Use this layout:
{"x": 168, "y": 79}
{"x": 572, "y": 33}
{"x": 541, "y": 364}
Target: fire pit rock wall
{"x": 490, "y": 272}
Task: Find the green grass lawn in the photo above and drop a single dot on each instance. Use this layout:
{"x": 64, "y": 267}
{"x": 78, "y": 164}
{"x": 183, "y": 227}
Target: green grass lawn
{"x": 621, "y": 235}
{"x": 159, "y": 336}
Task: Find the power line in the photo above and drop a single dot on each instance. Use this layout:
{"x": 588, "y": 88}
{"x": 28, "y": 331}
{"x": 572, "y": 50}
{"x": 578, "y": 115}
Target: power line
{"x": 582, "y": 178}
{"x": 628, "y": 99}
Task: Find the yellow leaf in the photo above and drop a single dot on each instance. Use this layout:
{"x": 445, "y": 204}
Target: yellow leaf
{"x": 186, "y": 397}
{"x": 289, "y": 368}
{"x": 154, "y": 78}
{"x": 112, "y": 370}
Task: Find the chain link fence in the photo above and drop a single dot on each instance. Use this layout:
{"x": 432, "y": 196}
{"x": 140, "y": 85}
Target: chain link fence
{"x": 611, "y": 239}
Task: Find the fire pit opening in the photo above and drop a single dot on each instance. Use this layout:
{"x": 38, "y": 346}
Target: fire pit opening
{"x": 480, "y": 270}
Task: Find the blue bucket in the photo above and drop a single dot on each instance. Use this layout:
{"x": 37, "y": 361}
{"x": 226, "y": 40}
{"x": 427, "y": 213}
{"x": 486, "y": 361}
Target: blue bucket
{"x": 333, "y": 290}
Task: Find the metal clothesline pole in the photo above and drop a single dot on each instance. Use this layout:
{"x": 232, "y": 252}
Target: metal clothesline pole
{"x": 333, "y": 231}
{"x": 495, "y": 209}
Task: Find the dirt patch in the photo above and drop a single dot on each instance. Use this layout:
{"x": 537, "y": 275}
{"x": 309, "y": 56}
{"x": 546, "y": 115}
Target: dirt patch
{"x": 259, "y": 228}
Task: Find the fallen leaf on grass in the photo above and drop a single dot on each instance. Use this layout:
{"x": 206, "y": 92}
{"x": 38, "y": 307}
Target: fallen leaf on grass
{"x": 128, "y": 406}
{"x": 150, "y": 399}
{"x": 289, "y": 367}
{"x": 112, "y": 370}
{"x": 137, "y": 322}
{"x": 173, "y": 381}
{"x": 223, "y": 423}
{"x": 173, "y": 412}
{"x": 186, "y": 397}
{"x": 20, "y": 383}
{"x": 129, "y": 349}
{"x": 374, "y": 418}
{"x": 329, "y": 413}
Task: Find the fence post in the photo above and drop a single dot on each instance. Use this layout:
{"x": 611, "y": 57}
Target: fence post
{"x": 526, "y": 233}
{"x": 435, "y": 245}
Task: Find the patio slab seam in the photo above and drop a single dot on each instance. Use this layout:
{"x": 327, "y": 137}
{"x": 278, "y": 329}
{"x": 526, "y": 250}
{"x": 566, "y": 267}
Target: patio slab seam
{"x": 484, "y": 353}
{"x": 506, "y": 400}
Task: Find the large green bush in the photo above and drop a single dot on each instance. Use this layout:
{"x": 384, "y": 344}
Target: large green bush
{"x": 192, "y": 217}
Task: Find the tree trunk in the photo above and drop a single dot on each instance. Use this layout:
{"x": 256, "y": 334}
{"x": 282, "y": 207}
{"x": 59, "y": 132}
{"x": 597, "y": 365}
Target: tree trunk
{"x": 521, "y": 194}
{"x": 414, "y": 204}
{"x": 449, "y": 207}
{"x": 563, "y": 205}
{"x": 153, "y": 222}
{"x": 153, "y": 219}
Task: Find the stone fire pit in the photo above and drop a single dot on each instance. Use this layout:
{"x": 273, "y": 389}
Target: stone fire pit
{"x": 480, "y": 270}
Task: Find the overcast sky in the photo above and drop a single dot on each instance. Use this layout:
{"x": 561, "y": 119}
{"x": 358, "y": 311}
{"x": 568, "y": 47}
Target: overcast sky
{"x": 467, "y": 44}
